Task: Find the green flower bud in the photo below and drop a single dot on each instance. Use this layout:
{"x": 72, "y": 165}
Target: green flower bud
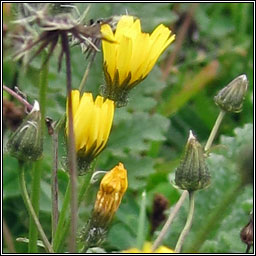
{"x": 192, "y": 173}
{"x": 26, "y": 142}
{"x": 231, "y": 97}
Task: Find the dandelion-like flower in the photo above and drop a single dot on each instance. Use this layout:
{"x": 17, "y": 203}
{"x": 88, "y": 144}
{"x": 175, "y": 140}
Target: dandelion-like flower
{"x": 147, "y": 248}
{"x": 92, "y": 122}
{"x": 133, "y": 55}
{"x": 112, "y": 189}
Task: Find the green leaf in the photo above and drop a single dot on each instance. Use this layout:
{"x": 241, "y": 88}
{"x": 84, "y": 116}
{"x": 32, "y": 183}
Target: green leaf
{"x": 142, "y": 128}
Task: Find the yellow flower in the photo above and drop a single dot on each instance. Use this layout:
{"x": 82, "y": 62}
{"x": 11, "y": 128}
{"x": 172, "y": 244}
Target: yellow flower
{"x": 134, "y": 53}
{"x": 147, "y": 249}
{"x": 110, "y": 194}
{"x": 92, "y": 125}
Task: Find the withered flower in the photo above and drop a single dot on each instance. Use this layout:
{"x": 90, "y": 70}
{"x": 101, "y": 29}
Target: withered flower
{"x": 57, "y": 27}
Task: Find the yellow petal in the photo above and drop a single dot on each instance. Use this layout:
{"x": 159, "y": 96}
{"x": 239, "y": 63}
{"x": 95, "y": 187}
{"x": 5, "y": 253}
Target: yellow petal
{"x": 75, "y": 95}
{"x": 106, "y": 117}
{"x": 123, "y": 58}
{"x": 83, "y": 120}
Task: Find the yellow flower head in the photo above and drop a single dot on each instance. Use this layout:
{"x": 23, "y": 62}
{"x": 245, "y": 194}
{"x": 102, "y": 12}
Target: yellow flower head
{"x": 92, "y": 125}
{"x": 112, "y": 188}
{"x": 134, "y": 53}
{"x": 147, "y": 249}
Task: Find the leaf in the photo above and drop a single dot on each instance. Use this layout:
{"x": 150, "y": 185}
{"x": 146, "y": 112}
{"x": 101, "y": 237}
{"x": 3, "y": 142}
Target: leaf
{"x": 133, "y": 135}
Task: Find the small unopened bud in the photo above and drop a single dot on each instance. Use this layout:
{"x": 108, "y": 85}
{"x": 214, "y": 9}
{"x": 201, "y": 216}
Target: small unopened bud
{"x": 231, "y": 97}
{"x": 247, "y": 233}
{"x": 26, "y": 142}
{"x": 192, "y": 173}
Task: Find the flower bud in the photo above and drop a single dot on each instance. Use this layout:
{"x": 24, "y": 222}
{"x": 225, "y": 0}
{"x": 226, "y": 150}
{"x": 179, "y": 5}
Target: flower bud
{"x": 247, "y": 233}
{"x": 112, "y": 188}
{"x": 192, "y": 173}
{"x": 231, "y": 97}
{"x": 26, "y": 142}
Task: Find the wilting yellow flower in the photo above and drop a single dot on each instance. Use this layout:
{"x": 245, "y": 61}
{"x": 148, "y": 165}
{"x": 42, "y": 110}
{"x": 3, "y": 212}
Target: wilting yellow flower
{"x": 147, "y": 249}
{"x": 110, "y": 194}
{"x": 134, "y": 53}
{"x": 92, "y": 125}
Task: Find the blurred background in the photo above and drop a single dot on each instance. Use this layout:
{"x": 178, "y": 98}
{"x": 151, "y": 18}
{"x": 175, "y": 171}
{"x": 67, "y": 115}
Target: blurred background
{"x": 214, "y": 44}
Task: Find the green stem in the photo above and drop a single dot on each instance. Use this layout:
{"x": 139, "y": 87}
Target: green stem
{"x": 81, "y": 197}
{"x": 31, "y": 211}
{"x": 62, "y": 218}
{"x": 43, "y": 84}
{"x": 215, "y": 217}
{"x": 214, "y": 130}
{"x": 35, "y": 197}
{"x": 81, "y": 86}
{"x": 36, "y": 173}
{"x": 168, "y": 223}
{"x": 55, "y": 190}
{"x": 188, "y": 224}
{"x": 18, "y": 97}
{"x": 142, "y": 217}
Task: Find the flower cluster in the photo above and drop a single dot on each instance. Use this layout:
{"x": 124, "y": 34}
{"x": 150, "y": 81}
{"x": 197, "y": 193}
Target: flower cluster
{"x": 128, "y": 56}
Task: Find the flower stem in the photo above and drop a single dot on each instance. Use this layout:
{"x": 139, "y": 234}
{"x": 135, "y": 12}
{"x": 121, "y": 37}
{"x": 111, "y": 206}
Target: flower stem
{"x": 55, "y": 211}
{"x": 188, "y": 224}
{"x": 18, "y": 97}
{"x": 168, "y": 223}
{"x": 142, "y": 217}
{"x": 83, "y": 81}
{"x": 36, "y": 172}
{"x": 81, "y": 196}
{"x": 62, "y": 217}
{"x": 214, "y": 218}
{"x": 35, "y": 196}
{"x": 248, "y": 248}
{"x": 214, "y": 130}
{"x": 71, "y": 148}
{"x": 31, "y": 211}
